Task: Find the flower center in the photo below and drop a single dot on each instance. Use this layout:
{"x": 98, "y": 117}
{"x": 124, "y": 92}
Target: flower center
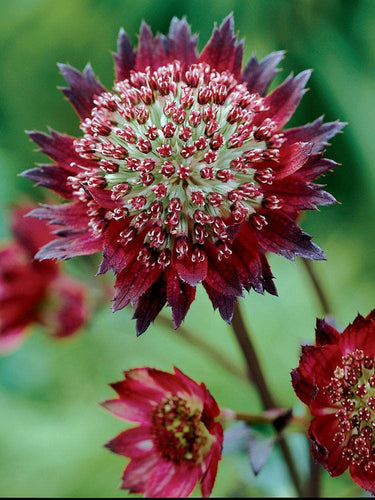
{"x": 178, "y": 151}
{"x": 352, "y": 388}
{"x": 179, "y": 433}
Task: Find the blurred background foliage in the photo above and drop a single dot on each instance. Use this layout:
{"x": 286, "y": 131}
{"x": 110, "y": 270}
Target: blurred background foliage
{"x": 51, "y": 425}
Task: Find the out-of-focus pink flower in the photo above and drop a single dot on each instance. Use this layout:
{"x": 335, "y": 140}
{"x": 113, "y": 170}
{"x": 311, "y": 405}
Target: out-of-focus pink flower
{"x": 177, "y": 442}
{"x": 184, "y": 173}
{"x": 33, "y": 291}
{"x": 336, "y": 379}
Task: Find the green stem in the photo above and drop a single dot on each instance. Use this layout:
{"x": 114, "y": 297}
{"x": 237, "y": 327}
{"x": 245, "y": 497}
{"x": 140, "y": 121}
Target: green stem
{"x": 319, "y": 290}
{"x": 256, "y": 376}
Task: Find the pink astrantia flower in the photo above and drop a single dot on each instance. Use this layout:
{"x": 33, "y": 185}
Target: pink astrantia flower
{"x": 32, "y": 291}
{"x": 184, "y": 173}
{"x": 336, "y": 379}
{"x": 177, "y": 442}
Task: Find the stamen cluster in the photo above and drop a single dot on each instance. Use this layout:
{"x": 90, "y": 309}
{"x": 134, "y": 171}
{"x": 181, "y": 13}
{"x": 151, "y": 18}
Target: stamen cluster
{"x": 179, "y": 433}
{"x": 352, "y": 388}
{"x": 178, "y": 152}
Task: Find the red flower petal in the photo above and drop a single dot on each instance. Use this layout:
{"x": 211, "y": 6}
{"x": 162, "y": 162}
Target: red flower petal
{"x": 316, "y": 132}
{"x": 360, "y": 334}
{"x": 208, "y": 480}
{"x": 150, "y": 50}
{"x": 314, "y": 373}
{"x": 297, "y": 195}
{"x": 149, "y": 305}
{"x": 60, "y": 148}
{"x": 324, "y": 449}
{"x": 70, "y": 214}
{"x": 292, "y": 158}
{"x": 325, "y": 333}
{"x": 171, "y": 481}
{"x": 51, "y": 177}
{"x": 282, "y": 236}
{"x": 72, "y": 245}
{"x": 115, "y": 255}
{"x": 182, "y": 45}
{"x": 180, "y": 295}
{"x": 134, "y": 408}
{"x": 223, "y": 52}
{"x": 192, "y": 271}
{"x": 225, "y": 303}
{"x": 137, "y": 472}
{"x": 125, "y": 57}
{"x": 133, "y": 443}
{"x": 259, "y": 75}
{"x": 283, "y": 101}
{"x": 191, "y": 387}
{"x": 83, "y": 87}
{"x": 132, "y": 283}
{"x": 10, "y": 339}
{"x": 315, "y": 166}
{"x": 366, "y": 480}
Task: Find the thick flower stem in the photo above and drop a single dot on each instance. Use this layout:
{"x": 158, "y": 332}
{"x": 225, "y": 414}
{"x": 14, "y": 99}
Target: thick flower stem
{"x": 205, "y": 347}
{"x": 255, "y": 375}
{"x": 313, "y": 487}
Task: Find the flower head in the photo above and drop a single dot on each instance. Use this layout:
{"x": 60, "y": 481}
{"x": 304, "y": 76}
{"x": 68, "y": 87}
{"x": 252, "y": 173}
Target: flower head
{"x": 184, "y": 173}
{"x": 336, "y": 379}
{"x": 177, "y": 443}
{"x": 32, "y": 291}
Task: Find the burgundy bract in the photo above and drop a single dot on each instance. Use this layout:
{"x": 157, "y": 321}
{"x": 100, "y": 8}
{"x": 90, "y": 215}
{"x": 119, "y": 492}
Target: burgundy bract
{"x": 177, "y": 442}
{"x": 184, "y": 173}
{"x": 336, "y": 379}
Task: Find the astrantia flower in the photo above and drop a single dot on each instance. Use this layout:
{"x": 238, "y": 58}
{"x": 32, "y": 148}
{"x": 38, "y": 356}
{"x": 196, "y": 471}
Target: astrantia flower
{"x": 336, "y": 379}
{"x": 184, "y": 173}
{"x": 177, "y": 443}
{"x": 32, "y": 291}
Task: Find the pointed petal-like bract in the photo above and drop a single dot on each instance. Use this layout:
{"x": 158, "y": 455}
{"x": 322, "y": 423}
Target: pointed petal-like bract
{"x": 149, "y": 305}
{"x": 83, "y": 87}
{"x": 282, "y": 236}
{"x": 60, "y": 148}
{"x": 180, "y": 295}
{"x": 182, "y": 45}
{"x": 283, "y": 101}
{"x": 150, "y": 51}
{"x": 316, "y": 133}
{"x": 125, "y": 57}
{"x": 223, "y": 52}
{"x": 51, "y": 177}
{"x": 259, "y": 75}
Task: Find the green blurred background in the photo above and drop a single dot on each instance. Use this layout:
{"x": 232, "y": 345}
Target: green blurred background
{"x": 51, "y": 425}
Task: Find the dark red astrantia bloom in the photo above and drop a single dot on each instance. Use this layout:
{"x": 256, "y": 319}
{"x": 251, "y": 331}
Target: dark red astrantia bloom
{"x": 336, "y": 379}
{"x": 184, "y": 173}
{"x": 177, "y": 443}
{"x": 32, "y": 291}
